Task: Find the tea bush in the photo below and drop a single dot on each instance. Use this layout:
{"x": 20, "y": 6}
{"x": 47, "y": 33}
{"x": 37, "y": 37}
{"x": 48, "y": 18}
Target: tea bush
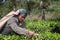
{"x": 43, "y": 28}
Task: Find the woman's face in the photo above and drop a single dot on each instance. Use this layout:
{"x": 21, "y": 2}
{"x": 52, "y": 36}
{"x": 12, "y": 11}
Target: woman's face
{"x": 21, "y": 17}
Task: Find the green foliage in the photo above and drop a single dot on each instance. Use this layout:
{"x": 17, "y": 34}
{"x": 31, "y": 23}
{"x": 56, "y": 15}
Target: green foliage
{"x": 57, "y": 10}
{"x": 43, "y": 28}
{"x": 5, "y": 8}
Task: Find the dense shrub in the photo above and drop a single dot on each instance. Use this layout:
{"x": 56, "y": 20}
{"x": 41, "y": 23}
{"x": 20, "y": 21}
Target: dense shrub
{"x": 43, "y": 28}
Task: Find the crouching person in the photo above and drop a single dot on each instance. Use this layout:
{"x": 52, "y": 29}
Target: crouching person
{"x": 16, "y": 24}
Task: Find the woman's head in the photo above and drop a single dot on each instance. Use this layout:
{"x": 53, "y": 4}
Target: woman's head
{"x": 22, "y": 14}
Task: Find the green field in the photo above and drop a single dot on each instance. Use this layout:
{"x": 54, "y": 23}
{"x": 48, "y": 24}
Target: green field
{"x": 43, "y": 28}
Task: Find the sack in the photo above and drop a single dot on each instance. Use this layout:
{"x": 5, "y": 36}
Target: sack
{"x": 6, "y": 18}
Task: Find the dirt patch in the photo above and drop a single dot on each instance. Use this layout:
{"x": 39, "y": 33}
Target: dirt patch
{"x": 47, "y": 16}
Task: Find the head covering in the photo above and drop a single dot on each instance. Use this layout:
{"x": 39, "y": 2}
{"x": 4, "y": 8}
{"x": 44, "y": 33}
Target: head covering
{"x": 22, "y": 11}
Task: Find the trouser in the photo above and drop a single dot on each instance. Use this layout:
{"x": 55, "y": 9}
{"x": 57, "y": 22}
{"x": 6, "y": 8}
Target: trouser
{"x": 5, "y": 31}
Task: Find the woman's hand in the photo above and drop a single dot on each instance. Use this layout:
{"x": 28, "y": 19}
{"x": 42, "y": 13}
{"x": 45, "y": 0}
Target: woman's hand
{"x": 31, "y": 33}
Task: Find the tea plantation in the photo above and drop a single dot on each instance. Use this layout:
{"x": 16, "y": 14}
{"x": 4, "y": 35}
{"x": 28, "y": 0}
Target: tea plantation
{"x": 47, "y": 30}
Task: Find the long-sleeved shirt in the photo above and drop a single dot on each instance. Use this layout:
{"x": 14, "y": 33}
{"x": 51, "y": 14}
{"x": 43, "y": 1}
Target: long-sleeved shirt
{"x": 14, "y": 25}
